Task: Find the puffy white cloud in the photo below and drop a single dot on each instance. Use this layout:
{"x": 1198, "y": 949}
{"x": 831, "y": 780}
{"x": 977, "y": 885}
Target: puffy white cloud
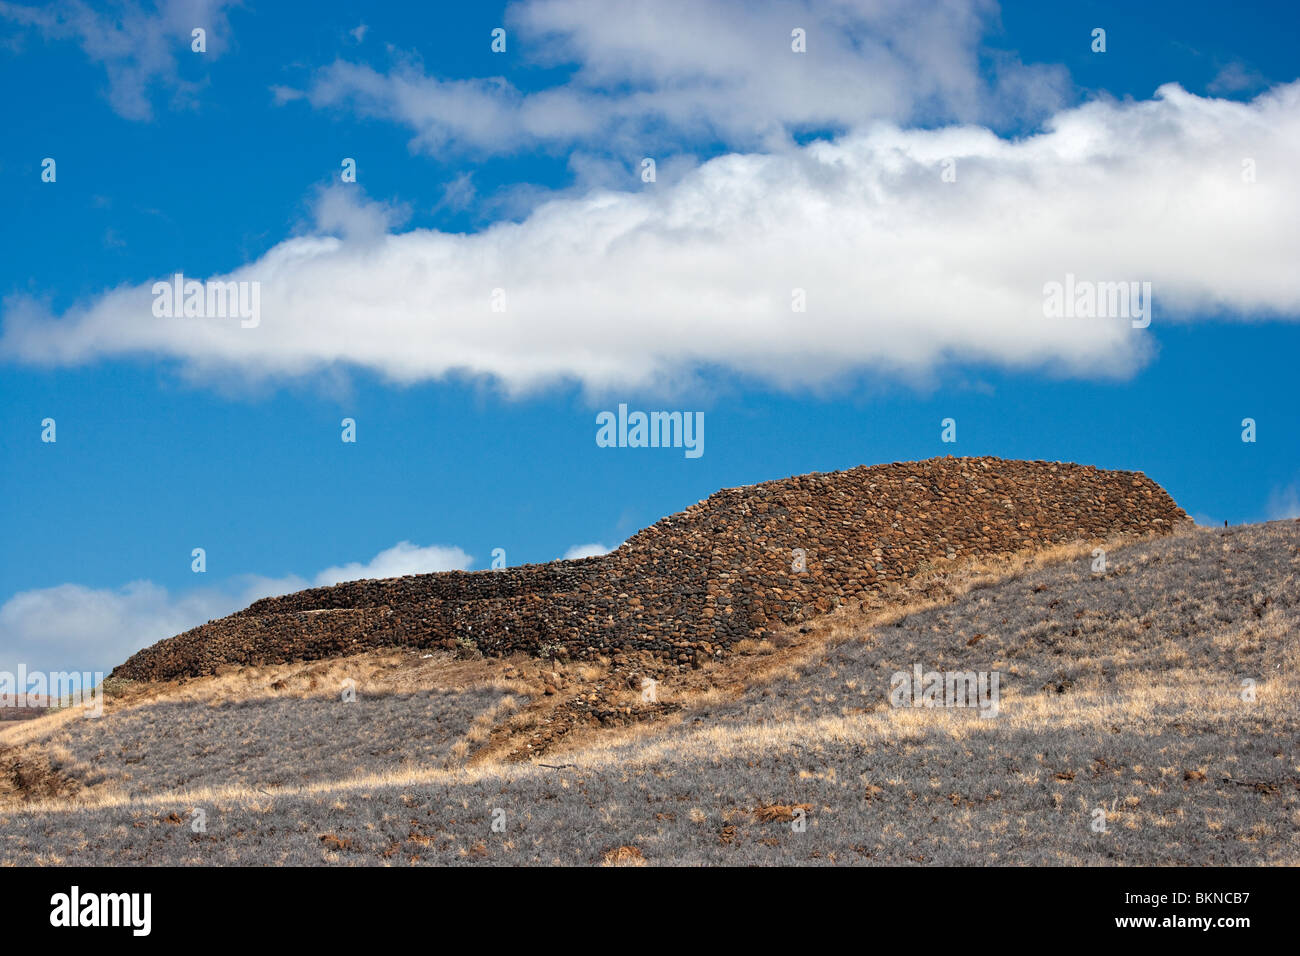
{"x": 137, "y": 46}
{"x": 648, "y": 74}
{"x": 401, "y": 559}
{"x": 337, "y": 212}
{"x": 902, "y": 272}
{"x": 71, "y": 627}
{"x": 593, "y": 550}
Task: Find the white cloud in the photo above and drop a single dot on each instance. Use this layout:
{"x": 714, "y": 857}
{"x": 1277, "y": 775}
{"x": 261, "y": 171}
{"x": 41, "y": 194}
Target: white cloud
{"x": 593, "y": 550}
{"x": 88, "y": 629}
{"x": 286, "y": 94}
{"x": 717, "y": 70}
{"x": 458, "y": 194}
{"x": 338, "y": 213}
{"x": 903, "y": 272}
{"x": 71, "y": 627}
{"x": 138, "y": 47}
{"x": 401, "y": 559}
{"x": 1236, "y": 77}
{"x": 1284, "y": 503}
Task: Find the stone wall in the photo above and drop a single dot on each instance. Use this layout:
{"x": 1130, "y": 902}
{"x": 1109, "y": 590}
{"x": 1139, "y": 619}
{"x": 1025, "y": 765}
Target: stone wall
{"x": 693, "y": 584}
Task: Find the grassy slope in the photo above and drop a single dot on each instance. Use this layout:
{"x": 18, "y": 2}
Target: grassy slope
{"x": 1119, "y": 691}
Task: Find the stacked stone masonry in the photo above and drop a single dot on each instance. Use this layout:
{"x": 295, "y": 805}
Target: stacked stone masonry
{"x": 693, "y": 584}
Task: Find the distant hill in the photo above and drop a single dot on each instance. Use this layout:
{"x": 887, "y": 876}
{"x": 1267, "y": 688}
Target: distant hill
{"x": 34, "y": 706}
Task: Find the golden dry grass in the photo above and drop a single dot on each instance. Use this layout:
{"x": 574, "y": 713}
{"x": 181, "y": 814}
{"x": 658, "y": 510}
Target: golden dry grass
{"x": 1122, "y": 707}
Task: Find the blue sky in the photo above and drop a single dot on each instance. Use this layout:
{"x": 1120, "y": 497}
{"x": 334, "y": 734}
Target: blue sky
{"x": 521, "y": 170}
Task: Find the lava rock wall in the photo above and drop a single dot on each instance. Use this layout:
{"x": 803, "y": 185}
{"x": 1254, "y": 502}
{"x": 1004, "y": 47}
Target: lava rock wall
{"x": 694, "y": 583}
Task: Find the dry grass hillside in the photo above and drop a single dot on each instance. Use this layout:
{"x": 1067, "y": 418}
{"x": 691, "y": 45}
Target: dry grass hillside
{"x": 687, "y": 588}
{"x": 1147, "y": 714}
